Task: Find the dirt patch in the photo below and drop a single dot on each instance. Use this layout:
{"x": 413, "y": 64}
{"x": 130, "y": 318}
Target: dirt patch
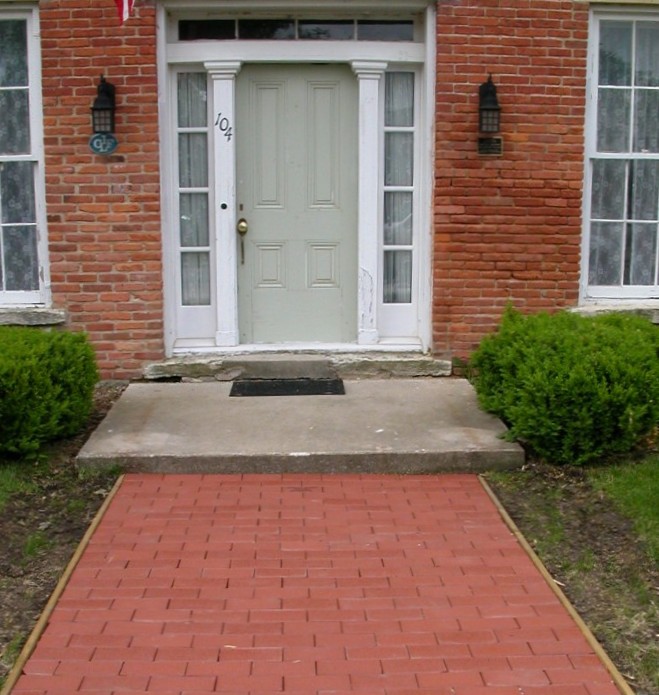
{"x": 42, "y": 527}
{"x": 597, "y": 559}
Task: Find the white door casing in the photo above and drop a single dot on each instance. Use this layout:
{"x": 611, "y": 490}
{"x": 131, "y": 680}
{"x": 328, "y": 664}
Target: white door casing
{"x": 223, "y": 62}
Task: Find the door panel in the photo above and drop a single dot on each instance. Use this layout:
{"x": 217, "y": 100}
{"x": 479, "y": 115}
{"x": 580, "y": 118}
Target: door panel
{"x": 297, "y": 189}
{"x": 268, "y": 166}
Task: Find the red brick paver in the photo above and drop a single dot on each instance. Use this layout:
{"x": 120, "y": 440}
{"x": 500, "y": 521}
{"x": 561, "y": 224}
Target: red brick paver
{"x": 309, "y": 585}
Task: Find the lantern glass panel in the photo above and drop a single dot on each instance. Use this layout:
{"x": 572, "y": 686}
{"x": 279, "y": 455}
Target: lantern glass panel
{"x": 489, "y": 120}
{"x": 103, "y": 120}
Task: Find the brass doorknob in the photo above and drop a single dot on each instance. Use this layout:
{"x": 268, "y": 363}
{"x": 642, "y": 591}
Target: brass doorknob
{"x": 242, "y": 227}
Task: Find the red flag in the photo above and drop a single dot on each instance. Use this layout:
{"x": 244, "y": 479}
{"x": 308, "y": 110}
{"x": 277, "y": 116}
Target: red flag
{"x": 124, "y": 7}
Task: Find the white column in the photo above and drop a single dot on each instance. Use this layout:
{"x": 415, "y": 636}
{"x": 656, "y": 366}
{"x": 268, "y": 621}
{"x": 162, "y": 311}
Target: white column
{"x": 369, "y": 74}
{"x": 223, "y": 75}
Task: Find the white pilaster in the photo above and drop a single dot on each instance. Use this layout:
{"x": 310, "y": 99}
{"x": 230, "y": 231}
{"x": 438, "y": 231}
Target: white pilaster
{"x": 369, "y": 74}
{"x": 223, "y": 75}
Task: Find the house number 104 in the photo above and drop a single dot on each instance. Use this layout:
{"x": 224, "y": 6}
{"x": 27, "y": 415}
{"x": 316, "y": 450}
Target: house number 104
{"x": 223, "y": 123}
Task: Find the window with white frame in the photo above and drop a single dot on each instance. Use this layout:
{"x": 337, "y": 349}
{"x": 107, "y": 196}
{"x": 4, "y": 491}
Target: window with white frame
{"x": 622, "y": 199}
{"x": 20, "y": 161}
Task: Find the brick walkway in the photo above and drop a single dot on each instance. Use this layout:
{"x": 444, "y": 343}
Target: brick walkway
{"x": 309, "y": 585}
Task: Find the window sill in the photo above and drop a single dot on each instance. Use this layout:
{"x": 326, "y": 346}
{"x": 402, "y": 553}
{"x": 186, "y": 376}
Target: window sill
{"x": 31, "y": 316}
{"x": 648, "y": 308}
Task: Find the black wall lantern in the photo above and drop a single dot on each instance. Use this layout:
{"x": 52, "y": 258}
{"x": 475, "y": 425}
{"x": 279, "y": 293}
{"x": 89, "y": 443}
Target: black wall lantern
{"x": 489, "y": 111}
{"x": 103, "y": 108}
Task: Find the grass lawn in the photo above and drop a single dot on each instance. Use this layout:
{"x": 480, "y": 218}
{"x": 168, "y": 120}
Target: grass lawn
{"x": 634, "y": 489}
{"x": 14, "y": 479}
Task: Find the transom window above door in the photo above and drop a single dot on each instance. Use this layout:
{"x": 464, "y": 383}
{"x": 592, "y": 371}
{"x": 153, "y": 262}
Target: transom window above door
{"x": 296, "y": 29}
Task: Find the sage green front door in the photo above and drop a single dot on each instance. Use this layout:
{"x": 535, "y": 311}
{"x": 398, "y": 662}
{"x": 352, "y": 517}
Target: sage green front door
{"x": 297, "y": 195}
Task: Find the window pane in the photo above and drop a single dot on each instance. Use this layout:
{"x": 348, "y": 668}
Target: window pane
{"x": 397, "y": 218}
{"x": 605, "y": 253}
{"x": 206, "y": 29}
{"x": 399, "y": 99}
{"x": 193, "y": 160}
{"x": 644, "y": 190}
{"x": 641, "y": 254}
{"x": 14, "y": 122}
{"x": 608, "y": 194}
{"x": 195, "y": 279}
{"x": 340, "y": 30}
{"x": 13, "y": 53}
{"x": 194, "y": 219}
{"x": 21, "y": 264}
{"x": 647, "y": 54}
{"x": 266, "y": 29}
{"x": 17, "y": 193}
{"x": 397, "y": 277}
{"x": 613, "y": 113}
{"x": 398, "y": 159}
{"x": 369, "y": 30}
{"x": 646, "y": 121}
{"x": 192, "y": 100}
{"x": 615, "y": 53}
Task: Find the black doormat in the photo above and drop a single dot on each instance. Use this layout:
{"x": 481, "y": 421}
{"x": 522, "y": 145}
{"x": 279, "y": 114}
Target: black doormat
{"x": 287, "y": 387}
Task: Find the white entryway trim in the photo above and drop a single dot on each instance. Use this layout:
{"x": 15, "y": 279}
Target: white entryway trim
{"x": 350, "y": 6}
{"x": 369, "y": 60}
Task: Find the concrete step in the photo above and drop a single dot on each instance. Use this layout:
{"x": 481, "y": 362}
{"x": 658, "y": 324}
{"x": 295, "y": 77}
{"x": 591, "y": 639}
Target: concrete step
{"x": 349, "y": 365}
{"x": 378, "y": 426}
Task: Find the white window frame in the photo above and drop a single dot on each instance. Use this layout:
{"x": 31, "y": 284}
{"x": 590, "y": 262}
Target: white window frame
{"x": 606, "y": 293}
{"x": 41, "y": 296}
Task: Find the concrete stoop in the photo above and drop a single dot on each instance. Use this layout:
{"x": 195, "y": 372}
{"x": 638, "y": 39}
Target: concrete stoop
{"x": 421, "y": 425}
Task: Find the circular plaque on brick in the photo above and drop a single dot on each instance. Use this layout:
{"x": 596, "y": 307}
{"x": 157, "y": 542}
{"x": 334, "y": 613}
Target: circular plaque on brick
{"x": 103, "y": 143}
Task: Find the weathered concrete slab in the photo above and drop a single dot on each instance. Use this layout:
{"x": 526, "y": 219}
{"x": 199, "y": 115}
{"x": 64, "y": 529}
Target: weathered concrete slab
{"x": 349, "y": 365}
{"x": 393, "y": 425}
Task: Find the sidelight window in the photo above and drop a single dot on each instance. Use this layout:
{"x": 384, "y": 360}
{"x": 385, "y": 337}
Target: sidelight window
{"x": 398, "y": 215}
{"x": 193, "y": 189}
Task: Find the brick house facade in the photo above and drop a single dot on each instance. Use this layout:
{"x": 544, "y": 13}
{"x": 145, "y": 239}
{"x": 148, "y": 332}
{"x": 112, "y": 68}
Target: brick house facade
{"x": 536, "y": 225}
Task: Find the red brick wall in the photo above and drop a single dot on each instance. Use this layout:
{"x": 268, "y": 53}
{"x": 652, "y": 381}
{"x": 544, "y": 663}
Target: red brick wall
{"x": 507, "y": 228}
{"x": 104, "y": 212}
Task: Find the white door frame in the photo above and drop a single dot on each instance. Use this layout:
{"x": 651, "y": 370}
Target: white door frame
{"x": 369, "y": 60}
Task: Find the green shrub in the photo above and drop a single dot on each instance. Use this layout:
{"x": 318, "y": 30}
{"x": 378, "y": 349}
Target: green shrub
{"x": 46, "y": 387}
{"x": 572, "y": 388}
